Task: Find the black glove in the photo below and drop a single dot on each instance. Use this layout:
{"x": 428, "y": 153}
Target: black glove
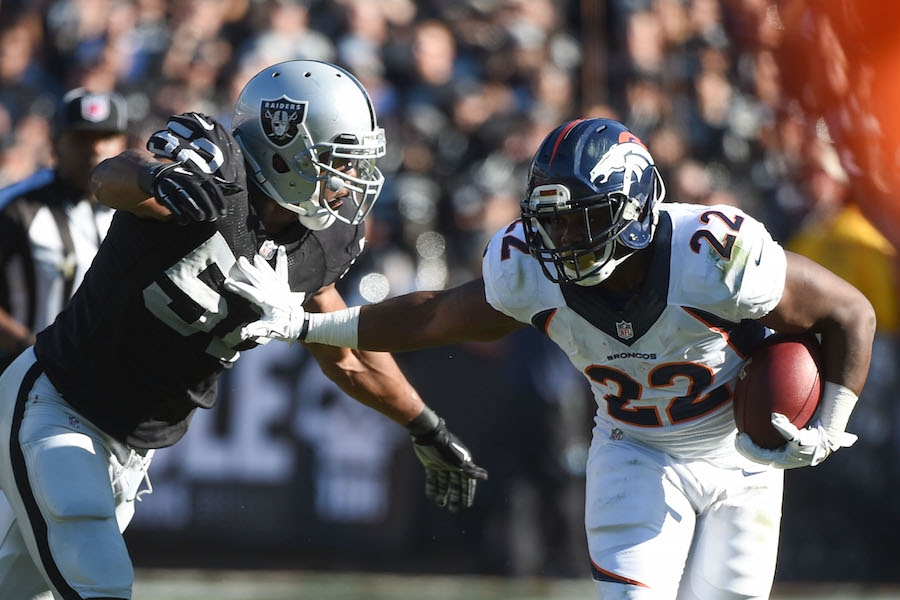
{"x": 209, "y": 168}
{"x": 450, "y": 474}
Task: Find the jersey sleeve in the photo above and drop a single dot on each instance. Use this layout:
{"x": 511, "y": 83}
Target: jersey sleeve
{"x": 730, "y": 265}
{"x": 513, "y": 281}
{"x": 764, "y": 273}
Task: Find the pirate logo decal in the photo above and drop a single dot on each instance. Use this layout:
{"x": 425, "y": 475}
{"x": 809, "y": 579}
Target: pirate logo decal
{"x": 280, "y": 118}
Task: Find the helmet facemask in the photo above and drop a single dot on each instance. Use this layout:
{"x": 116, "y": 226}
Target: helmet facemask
{"x": 324, "y": 168}
{"x": 605, "y": 222}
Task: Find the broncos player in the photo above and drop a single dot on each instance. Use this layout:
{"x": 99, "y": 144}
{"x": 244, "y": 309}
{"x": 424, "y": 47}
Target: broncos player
{"x": 139, "y": 348}
{"x": 657, "y": 304}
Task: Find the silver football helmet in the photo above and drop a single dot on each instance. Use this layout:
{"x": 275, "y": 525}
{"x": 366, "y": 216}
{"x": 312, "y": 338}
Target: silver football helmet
{"x": 302, "y": 126}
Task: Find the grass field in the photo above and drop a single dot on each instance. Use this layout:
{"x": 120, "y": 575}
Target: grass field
{"x": 262, "y": 585}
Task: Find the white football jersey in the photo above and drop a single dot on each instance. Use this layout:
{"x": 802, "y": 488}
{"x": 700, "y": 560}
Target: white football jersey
{"x": 663, "y": 368}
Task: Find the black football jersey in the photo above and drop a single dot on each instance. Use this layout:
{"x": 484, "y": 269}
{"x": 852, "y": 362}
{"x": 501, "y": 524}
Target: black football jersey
{"x": 139, "y": 347}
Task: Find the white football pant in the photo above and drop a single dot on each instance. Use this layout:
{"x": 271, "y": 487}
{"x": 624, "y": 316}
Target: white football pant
{"x": 68, "y": 494}
{"x": 663, "y": 528}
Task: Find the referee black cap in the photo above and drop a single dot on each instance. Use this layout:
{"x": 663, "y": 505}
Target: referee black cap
{"x": 81, "y": 110}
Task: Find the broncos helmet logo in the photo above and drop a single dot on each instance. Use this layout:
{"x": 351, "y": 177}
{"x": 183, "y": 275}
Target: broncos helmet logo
{"x": 630, "y": 158}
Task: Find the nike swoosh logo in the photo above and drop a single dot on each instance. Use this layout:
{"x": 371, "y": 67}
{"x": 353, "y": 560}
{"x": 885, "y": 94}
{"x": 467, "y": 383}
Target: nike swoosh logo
{"x": 759, "y": 258}
{"x": 465, "y": 453}
{"x": 750, "y": 473}
{"x": 209, "y": 126}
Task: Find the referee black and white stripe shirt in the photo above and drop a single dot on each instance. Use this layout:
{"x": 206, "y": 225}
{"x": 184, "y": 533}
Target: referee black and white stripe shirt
{"x": 49, "y": 234}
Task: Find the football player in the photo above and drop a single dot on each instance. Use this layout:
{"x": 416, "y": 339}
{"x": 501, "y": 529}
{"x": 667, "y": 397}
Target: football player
{"x": 139, "y": 348}
{"x": 658, "y": 305}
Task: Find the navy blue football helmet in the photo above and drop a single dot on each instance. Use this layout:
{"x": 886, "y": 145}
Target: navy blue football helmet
{"x": 592, "y": 188}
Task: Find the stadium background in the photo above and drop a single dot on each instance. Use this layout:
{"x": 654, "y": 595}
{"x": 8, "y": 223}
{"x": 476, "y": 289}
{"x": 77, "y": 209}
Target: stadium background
{"x": 783, "y": 109}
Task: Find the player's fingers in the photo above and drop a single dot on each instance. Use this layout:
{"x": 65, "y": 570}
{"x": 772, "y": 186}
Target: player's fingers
{"x": 784, "y": 426}
{"x": 217, "y": 205}
{"x": 257, "y": 329}
{"x": 281, "y": 266}
{"x": 431, "y": 484}
{"x": 468, "y": 492}
{"x": 751, "y": 451}
{"x": 184, "y": 199}
{"x": 244, "y": 290}
{"x": 163, "y": 144}
{"x": 172, "y": 197}
{"x": 183, "y": 125}
{"x": 207, "y": 210}
{"x": 454, "y": 490}
{"x": 443, "y": 487}
{"x": 474, "y": 471}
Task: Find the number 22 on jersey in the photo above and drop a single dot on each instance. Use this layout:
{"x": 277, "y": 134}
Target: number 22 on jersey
{"x": 625, "y": 405}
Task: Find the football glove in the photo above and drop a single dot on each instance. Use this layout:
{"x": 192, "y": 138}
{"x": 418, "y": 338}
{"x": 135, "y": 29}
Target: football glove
{"x": 211, "y": 168}
{"x": 805, "y": 447}
{"x": 269, "y": 290}
{"x": 450, "y": 473}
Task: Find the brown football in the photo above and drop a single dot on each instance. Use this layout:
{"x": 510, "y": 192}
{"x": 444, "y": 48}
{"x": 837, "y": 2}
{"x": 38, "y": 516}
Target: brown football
{"x": 783, "y": 375}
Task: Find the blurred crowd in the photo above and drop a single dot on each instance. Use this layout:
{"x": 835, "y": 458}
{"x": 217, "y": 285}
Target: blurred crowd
{"x": 466, "y": 91}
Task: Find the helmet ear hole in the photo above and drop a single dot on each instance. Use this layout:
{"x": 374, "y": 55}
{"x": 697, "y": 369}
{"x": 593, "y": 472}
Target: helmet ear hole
{"x": 279, "y": 164}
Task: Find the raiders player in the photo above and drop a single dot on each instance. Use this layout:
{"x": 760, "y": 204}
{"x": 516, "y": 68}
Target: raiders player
{"x": 657, "y": 305}
{"x": 140, "y": 346}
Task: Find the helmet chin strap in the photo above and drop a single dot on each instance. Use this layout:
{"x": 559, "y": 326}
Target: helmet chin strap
{"x": 313, "y": 216}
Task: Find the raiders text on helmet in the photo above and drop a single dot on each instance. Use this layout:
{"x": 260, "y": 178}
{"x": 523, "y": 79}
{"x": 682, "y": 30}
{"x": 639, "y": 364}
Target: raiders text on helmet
{"x": 302, "y": 125}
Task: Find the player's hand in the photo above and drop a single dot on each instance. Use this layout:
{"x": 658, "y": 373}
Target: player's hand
{"x": 805, "y": 447}
{"x": 211, "y": 167}
{"x": 450, "y": 474}
{"x": 268, "y": 289}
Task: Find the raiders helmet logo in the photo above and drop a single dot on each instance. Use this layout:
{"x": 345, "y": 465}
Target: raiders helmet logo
{"x": 280, "y": 118}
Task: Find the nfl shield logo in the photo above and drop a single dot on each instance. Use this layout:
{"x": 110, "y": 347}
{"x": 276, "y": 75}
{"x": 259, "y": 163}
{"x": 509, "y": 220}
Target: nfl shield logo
{"x": 625, "y": 330}
{"x": 267, "y": 250}
{"x": 280, "y": 118}
{"x": 95, "y": 108}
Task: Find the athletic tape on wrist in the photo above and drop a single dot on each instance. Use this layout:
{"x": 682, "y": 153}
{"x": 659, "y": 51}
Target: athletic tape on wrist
{"x": 837, "y": 405}
{"x": 339, "y": 328}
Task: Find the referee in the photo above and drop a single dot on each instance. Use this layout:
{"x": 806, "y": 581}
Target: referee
{"x": 50, "y": 229}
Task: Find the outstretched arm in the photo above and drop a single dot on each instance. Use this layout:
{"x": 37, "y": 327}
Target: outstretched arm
{"x": 424, "y": 319}
{"x": 374, "y": 379}
{"x": 412, "y": 321}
